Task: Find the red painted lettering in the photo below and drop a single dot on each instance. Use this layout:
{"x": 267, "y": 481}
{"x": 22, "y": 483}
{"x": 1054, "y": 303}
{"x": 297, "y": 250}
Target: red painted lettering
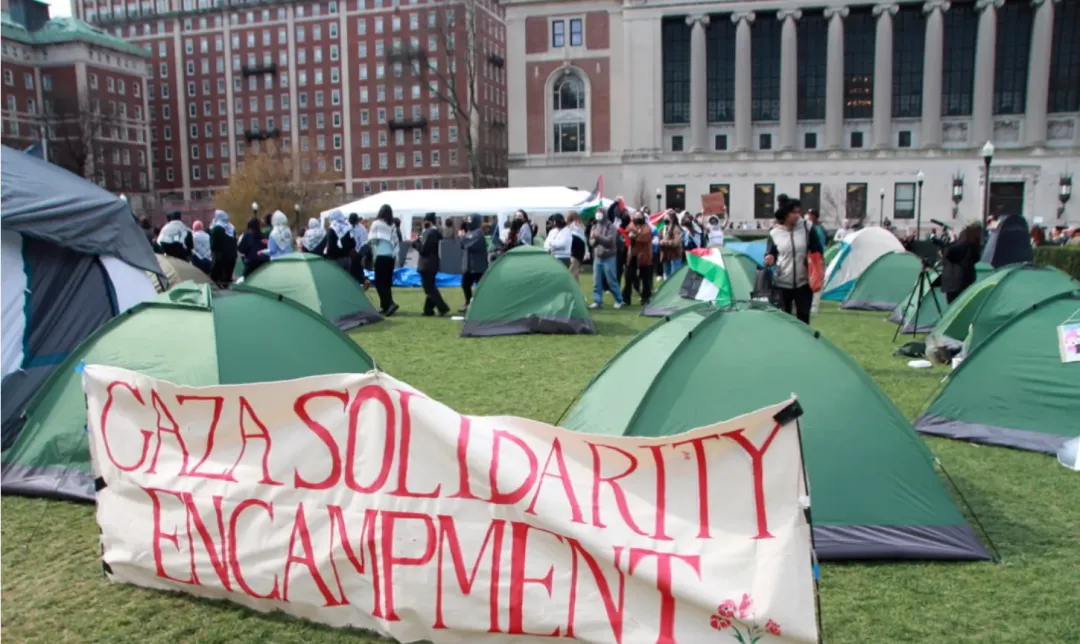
{"x": 509, "y": 498}
{"x": 403, "y": 453}
{"x": 356, "y": 557}
{"x": 324, "y": 435}
{"x": 218, "y": 559}
{"x": 616, "y": 489}
{"x": 162, "y": 410}
{"x": 564, "y": 478}
{"x": 661, "y": 492}
{"x": 518, "y": 548}
{"x": 158, "y": 535}
{"x": 448, "y": 537}
{"x": 757, "y": 457}
{"x": 234, "y": 558}
{"x": 389, "y": 518}
{"x": 306, "y": 559}
{"x": 614, "y": 607}
{"x": 464, "y": 488}
{"x": 104, "y": 421}
{"x": 247, "y": 411}
{"x": 218, "y": 404}
{"x": 664, "y": 560}
{"x": 379, "y": 395}
{"x": 703, "y": 482}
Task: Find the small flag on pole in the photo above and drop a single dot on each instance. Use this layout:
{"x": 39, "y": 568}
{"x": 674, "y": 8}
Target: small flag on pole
{"x": 708, "y": 279}
{"x": 592, "y": 203}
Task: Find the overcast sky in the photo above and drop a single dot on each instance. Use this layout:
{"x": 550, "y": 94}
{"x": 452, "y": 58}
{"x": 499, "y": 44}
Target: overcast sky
{"x": 59, "y": 8}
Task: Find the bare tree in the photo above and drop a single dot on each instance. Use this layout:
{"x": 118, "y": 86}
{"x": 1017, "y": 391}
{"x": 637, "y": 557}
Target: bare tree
{"x": 833, "y": 206}
{"x": 74, "y": 132}
{"x": 452, "y": 79}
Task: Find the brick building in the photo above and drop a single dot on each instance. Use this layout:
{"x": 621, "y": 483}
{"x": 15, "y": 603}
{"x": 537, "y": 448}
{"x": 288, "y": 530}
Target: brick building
{"x": 355, "y": 90}
{"x": 84, "y": 90}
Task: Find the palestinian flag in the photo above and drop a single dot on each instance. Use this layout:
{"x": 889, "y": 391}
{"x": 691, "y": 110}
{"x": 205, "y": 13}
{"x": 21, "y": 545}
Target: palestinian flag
{"x": 707, "y": 280}
{"x": 592, "y": 204}
{"x": 657, "y": 221}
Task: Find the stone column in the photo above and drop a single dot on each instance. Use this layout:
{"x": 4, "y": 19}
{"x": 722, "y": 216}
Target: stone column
{"x": 933, "y": 61}
{"x": 982, "y": 107}
{"x": 883, "y": 73}
{"x": 1038, "y": 89}
{"x": 834, "y": 79}
{"x": 789, "y": 77}
{"x": 743, "y": 86}
{"x": 699, "y": 80}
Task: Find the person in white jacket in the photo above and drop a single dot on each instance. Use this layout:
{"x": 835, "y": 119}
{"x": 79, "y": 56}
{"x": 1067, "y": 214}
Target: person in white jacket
{"x": 560, "y": 240}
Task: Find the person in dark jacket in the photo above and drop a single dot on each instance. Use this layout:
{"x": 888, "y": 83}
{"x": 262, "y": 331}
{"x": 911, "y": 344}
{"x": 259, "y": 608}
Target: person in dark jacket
{"x": 251, "y": 243}
{"x": 175, "y": 238}
{"x": 360, "y": 247}
{"x": 474, "y": 258}
{"x": 960, "y": 259}
{"x": 428, "y": 266}
{"x": 339, "y": 243}
{"x": 314, "y": 239}
{"x": 222, "y": 249}
{"x": 151, "y": 234}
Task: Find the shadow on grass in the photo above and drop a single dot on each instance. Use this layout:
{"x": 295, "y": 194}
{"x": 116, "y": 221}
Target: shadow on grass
{"x": 999, "y": 531}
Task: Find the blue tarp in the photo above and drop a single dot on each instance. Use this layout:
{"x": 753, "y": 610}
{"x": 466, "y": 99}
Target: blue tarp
{"x": 755, "y": 249}
{"x": 408, "y": 277}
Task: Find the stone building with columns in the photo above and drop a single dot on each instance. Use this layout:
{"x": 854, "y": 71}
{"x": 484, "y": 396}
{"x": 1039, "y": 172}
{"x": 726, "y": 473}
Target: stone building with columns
{"x": 842, "y": 104}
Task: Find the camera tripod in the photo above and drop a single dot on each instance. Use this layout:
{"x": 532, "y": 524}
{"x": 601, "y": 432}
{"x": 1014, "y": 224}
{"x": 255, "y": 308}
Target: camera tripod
{"x": 918, "y": 291}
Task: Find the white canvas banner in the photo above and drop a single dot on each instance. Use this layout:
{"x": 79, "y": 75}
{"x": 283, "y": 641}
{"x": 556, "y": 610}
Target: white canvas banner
{"x": 354, "y": 500}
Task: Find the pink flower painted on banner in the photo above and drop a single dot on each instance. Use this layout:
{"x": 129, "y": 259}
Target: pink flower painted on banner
{"x": 727, "y": 609}
{"x": 744, "y": 606}
{"x": 719, "y": 623}
{"x": 772, "y": 627}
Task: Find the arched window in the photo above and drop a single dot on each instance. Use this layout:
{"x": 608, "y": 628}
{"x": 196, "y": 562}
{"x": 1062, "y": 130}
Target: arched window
{"x": 568, "y": 114}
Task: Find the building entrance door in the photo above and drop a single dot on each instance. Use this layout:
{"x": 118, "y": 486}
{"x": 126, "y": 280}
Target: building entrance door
{"x": 1006, "y": 198}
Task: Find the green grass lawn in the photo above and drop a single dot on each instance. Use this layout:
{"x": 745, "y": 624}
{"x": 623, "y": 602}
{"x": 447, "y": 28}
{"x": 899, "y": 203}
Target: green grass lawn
{"x": 53, "y": 589}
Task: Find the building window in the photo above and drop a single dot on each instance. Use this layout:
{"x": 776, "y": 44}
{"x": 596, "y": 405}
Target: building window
{"x": 677, "y": 143}
{"x": 905, "y": 139}
{"x": 1065, "y": 59}
{"x": 810, "y": 197}
{"x": 676, "y": 70}
{"x": 860, "y": 33}
{"x": 720, "y": 142}
{"x": 856, "y": 140}
{"x": 855, "y": 204}
{"x": 576, "y": 32}
{"x": 765, "y": 141}
{"x": 558, "y": 33}
{"x": 676, "y": 196}
{"x": 1013, "y": 48}
{"x": 813, "y": 31}
{"x": 765, "y": 68}
{"x": 909, "y": 41}
{"x": 764, "y": 205}
{"x": 568, "y": 114}
{"x": 904, "y": 201}
{"x": 810, "y": 140}
{"x": 720, "y": 72}
{"x": 958, "y": 71}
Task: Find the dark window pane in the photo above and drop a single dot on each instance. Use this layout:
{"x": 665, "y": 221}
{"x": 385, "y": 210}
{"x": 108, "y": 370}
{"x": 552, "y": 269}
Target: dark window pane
{"x": 810, "y": 140}
{"x": 676, "y": 52}
{"x": 720, "y": 51}
{"x": 813, "y": 33}
{"x": 1065, "y": 59}
{"x": 575, "y": 32}
{"x": 765, "y": 67}
{"x": 765, "y": 141}
{"x": 958, "y": 74}
{"x": 676, "y": 144}
{"x": 856, "y": 139}
{"x": 1013, "y": 47}
{"x": 860, "y": 32}
{"x": 905, "y": 139}
{"x": 855, "y": 204}
{"x": 721, "y": 141}
{"x": 676, "y": 196}
{"x": 909, "y": 38}
{"x": 763, "y": 201}
{"x": 904, "y": 201}
{"x": 810, "y": 197}
{"x": 558, "y": 33}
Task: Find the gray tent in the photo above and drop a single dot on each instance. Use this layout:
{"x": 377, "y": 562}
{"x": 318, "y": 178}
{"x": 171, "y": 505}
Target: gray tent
{"x": 73, "y": 257}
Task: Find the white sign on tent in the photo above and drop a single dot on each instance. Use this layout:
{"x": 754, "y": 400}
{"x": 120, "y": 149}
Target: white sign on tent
{"x": 354, "y": 500}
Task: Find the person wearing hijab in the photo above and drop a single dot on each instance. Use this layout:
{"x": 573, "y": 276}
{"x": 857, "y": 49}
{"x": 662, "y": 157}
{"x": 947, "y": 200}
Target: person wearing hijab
{"x": 604, "y": 239}
{"x": 357, "y": 258}
{"x": 201, "y": 255}
{"x": 427, "y": 245}
{"x": 175, "y": 238}
{"x": 250, "y": 247}
{"x": 474, "y": 259}
{"x": 525, "y": 230}
{"x": 384, "y": 249}
{"x": 222, "y": 249}
{"x": 314, "y": 239}
{"x": 339, "y": 241}
{"x": 716, "y": 232}
{"x": 281, "y": 239}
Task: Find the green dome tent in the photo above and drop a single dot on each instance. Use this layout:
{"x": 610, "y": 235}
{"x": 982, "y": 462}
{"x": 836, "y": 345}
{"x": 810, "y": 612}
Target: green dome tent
{"x": 527, "y": 291}
{"x": 885, "y": 283}
{"x": 920, "y": 319}
{"x": 188, "y": 335}
{"x": 1015, "y": 390}
{"x": 874, "y": 489}
{"x": 320, "y": 285}
{"x": 677, "y": 291}
{"x": 992, "y": 301}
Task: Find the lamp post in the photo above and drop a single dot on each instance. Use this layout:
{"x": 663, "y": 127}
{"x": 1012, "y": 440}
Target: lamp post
{"x": 255, "y": 209}
{"x": 659, "y": 193}
{"x": 881, "y": 208}
{"x": 1064, "y": 193}
{"x": 919, "y": 178}
{"x": 957, "y": 193}
{"x": 988, "y": 157}
{"x": 296, "y": 209}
